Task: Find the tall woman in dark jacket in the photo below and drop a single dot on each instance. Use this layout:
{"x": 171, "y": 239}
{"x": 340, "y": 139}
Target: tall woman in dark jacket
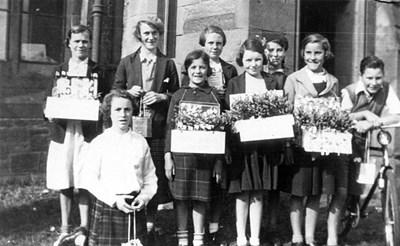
{"x": 149, "y": 71}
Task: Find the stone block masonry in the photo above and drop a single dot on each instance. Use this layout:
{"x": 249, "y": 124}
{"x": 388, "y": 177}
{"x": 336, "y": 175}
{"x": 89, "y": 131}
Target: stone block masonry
{"x": 23, "y": 148}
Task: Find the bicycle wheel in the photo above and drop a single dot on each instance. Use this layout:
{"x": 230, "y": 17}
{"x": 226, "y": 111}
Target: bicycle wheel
{"x": 391, "y": 212}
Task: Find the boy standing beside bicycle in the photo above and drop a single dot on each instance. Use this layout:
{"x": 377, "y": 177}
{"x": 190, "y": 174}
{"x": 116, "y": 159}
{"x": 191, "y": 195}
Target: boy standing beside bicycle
{"x": 372, "y": 103}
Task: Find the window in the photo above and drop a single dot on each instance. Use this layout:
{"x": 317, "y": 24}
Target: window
{"x": 42, "y": 31}
{"x": 4, "y": 12}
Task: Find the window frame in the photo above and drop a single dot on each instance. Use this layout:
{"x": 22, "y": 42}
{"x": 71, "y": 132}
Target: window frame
{"x": 63, "y": 17}
{"x": 7, "y": 32}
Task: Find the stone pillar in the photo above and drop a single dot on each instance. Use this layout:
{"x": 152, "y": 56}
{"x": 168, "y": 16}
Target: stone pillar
{"x": 134, "y": 10}
{"x": 97, "y": 12}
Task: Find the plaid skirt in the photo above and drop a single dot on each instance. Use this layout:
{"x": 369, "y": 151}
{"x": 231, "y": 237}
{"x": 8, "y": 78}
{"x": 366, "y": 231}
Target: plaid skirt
{"x": 255, "y": 169}
{"x": 193, "y": 177}
{"x": 109, "y": 226}
{"x": 163, "y": 194}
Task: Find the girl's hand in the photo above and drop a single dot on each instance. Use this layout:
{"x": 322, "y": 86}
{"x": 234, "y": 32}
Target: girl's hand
{"x": 153, "y": 97}
{"x": 136, "y": 91}
{"x": 121, "y": 204}
{"x": 138, "y": 204}
{"x": 169, "y": 166}
{"x": 217, "y": 171}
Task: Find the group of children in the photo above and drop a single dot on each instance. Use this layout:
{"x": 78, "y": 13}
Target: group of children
{"x": 123, "y": 170}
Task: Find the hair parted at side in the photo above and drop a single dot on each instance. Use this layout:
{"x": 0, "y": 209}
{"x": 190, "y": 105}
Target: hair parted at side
{"x": 77, "y": 29}
{"x": 211, "y": 29}
{"x": 251, "y": 44}
{"x": 106, "y": 104}
{"x": 317, "y": 38}
{"x": 152, "y": 21}
{"x": 194, "y": 55}
{"x": 371, "y": 62}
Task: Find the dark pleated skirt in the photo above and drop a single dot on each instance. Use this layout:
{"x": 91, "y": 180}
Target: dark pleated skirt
{"x": 163, "y": 194}
{"x": 109, "y": 226}
{"x": 193, "y": 177}
{"x": 322, "y": 176}
{"x": 255, "y": 169}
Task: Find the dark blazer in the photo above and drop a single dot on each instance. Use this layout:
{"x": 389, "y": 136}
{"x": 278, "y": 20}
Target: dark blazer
{"x": 90, "y": 129}
{"x": 229, "y": 71}
{"x": 238, "y": 84}
{"x": 166, "y": 81}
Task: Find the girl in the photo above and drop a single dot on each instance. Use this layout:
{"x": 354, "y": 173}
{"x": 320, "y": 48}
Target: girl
{"x": 70, "y": 137}
{"x": 275, "y": 48}
{"x": 252, "y": 161}
{"x": 323, "y": 174}
{"x": 149, "y": 73}
{"x": 122, "y": 180}
{"x": 190, "y": 185}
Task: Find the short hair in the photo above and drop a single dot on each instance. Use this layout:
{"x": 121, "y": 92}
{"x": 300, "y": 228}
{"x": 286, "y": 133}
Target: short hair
{"x": 152, "y": 21}
{"x": 371, "y": 62}
{"x": 106, "y": 104}
{"x": 317, "y": 38}
{"x": 77, "y": 29}
{"x": 194, "y": 55}
{"x": 251, "y": 44}
{"x": 277, "y": 38}
{"x": 211, "y": 29}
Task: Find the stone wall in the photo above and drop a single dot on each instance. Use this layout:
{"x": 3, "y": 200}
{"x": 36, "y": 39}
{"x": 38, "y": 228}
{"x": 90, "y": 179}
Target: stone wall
{"x": 23, "y": 148}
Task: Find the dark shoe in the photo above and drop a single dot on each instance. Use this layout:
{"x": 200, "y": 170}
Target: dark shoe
{"x": 154, "y": 238}
{"x": 216, "y": 239}
{"x": 78, "y": 232}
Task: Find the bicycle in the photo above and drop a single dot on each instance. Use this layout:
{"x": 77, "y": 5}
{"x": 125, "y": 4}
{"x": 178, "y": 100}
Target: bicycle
{"x": 385, "y": 181}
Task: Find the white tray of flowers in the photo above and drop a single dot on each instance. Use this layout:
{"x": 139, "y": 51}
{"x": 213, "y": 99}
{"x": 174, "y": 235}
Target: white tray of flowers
{"x": 262, "y": 116}
{"x": 322, "y": 126}
{"x": 199, "y": 129}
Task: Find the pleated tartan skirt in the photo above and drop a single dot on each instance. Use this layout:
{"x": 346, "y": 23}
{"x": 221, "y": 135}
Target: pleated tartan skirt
{"x": 193, "y": 177}
{"x": 109, "y": 226}
{"x": 256, "y": 169}
{"x": 163, "y": 194}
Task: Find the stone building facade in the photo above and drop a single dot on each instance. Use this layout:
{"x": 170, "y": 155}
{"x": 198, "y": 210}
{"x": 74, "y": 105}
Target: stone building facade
{"x": 355, "y": 28}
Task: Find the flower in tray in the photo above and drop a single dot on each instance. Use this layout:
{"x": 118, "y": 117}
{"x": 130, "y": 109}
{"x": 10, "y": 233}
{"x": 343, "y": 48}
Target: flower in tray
{"x": 268, "y": 104}
{"x": 322, "y": 114}
{"x": 199, "y": 117}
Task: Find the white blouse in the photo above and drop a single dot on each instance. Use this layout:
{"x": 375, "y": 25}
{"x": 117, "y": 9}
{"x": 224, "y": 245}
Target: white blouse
{"x": 119, "y": 164}
{"x": 255, "y": 85}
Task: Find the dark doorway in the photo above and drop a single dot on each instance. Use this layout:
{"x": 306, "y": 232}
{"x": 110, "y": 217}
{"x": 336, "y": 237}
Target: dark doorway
{"x": 320, "y": 16}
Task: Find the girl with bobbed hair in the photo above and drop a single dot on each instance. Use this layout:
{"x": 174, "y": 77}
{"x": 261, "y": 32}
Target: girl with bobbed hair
{"x": 313, "y": 175}
{"x": 151, "y": 78}
{"x": 250, "y": 172}
{"x": 191, "y": 175}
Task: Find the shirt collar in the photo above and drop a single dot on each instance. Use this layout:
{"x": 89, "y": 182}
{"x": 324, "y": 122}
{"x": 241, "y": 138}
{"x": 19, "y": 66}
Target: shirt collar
{"x": 148, "y": 57}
